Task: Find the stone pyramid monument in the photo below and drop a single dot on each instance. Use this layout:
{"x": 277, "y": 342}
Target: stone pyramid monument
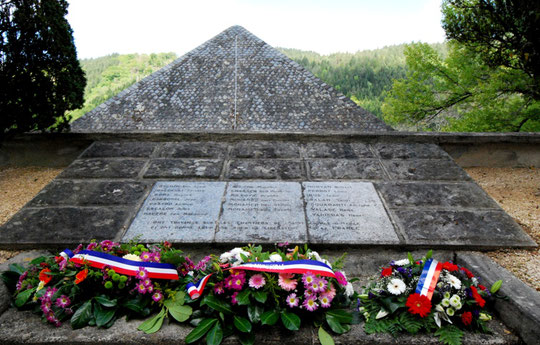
{"x": 234, "y": 81}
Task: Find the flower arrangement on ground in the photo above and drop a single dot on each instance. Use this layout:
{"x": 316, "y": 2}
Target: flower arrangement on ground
{"x": 413, "y": 295}
{"x": 248, "y": 288}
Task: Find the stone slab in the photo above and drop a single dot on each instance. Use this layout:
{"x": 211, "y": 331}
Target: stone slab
{"x": 262, "y": 212}
{"x": 408, "y": 151}
{"x": 266, "y": 149}
{"x": 346, "y": 213}
{"x": 480, "y": 229}
{"x": 421, "y": 170}
{"x": 103, "y": 168}
{"x": 120, "y": 149}
{"x": 338, "y": 150}
{"x": 369, "y": 169}
{"x": 62, "y": 225}
{"x": 522, "y": 310}
{"x": 178, "y": 212}
{"x": 429, "y": 194}
{"x": 81, "y": 193}
{"x": 265, "y": 169}
{"x": 184, "y": 168}
{"x": 205, "y": 149}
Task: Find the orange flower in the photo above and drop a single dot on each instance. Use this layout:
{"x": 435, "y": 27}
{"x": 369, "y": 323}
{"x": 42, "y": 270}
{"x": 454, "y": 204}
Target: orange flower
{"x": 44, "y": 277}
{"x": 81, "y": 276}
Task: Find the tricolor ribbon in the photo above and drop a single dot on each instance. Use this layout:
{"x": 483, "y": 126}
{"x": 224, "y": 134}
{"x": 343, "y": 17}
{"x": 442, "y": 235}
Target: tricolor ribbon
{"x": 296, "y": 266}
{"x": 429, "y": 278}
{"x": 120, "y": 265}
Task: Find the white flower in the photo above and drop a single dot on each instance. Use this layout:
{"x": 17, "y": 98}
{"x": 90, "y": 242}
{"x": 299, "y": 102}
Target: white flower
{"x": 485, "y": 317}
{"x": 453, "y": 280}
{"x": 396, "y": 286}
{"x": 401, "y": 262}
{"x": 225, "y": 257}
{"x": 234, "y": 254}
{"x": 316, "y": 256}
{"x": 438, "y": 307}
{"x": 349, "y": 290}
{"x": 450, "y": 311}
{"x": 455, "y": 301}
{"x": 131, "y": 257}
{"x": 382, "y": 313}
{"x": 276, "y": 258}
{"x": 447, "y": 295}
{"x": 445, "y": 302}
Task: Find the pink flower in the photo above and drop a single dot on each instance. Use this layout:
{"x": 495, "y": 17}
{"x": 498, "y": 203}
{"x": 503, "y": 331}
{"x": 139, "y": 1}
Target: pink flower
{"x": 91, "y": 246}
{"x": 141, "y": 288}
{"x": 108, "y": 245}
{"x": 331, "y": 291}
{"x": 45, "y": 307}
{"x": 156, "y": 257}
{"x": 322, "y": 284}
{"x": 257, "y": 281}
{"x": 167, "y": 244}
{"x": 292, "y": 300}
{"x": 233, "y": 298}
{"x": 150, "y": 289}
{"x": 286, "y": 282}
{"x": 146, "y": 256}
{"x": 325, "y": 301}
{"x": 218, "y": 288}
{"x": 311, "y": 304}
{"x": 142, "y": 273}
{"x": 147, "y": 282}
{"x": 49, "y": 293}
{"x": 157, "y": 296}
{"x": 78, "y": 249}
{"x": 314, "y": 286}
{"x": 238, "y": 282}
{"x": 341, "y": 278}
{"x": 63, "y": 301}
{"x": 308, "y": 278}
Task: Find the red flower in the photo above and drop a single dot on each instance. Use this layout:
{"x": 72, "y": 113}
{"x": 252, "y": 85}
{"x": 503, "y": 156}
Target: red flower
{"x": 466, "y": 318}
{"x": 44, "y": 277}
{"x": 467, "y": 272}
{"x": 481, "y": 302}
{"x": 449, "y": 266}
{"x": 81, "y": 276}
{"x": 44, "y": 264}
{"x": 58, "y": 259}
{"x": 386, "y": 272}
{"x": 482, "y": 287}
{"x": 418, "y": 304}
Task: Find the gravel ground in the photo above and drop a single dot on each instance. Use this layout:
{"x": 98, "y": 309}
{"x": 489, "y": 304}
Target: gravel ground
{"x": 517, "y": 190}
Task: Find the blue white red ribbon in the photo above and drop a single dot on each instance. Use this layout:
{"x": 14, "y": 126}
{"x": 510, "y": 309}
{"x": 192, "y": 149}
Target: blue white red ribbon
{"x": 429, "y": 278}
{"x": 120, "y": 265}
{"x": 295, "y": 266}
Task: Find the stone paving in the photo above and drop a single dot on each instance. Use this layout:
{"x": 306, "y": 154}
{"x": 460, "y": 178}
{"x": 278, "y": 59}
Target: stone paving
{"x": 422, "y": 197}
{"x": 234, "y": 81}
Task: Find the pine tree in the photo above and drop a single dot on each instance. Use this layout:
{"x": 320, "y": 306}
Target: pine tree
{"x": 40, "y": 75}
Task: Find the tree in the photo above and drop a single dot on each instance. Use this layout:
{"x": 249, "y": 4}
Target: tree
{"x": 458, "y": 93}
{"x": 503, "y": 32}
{"x": 39, "y": 72}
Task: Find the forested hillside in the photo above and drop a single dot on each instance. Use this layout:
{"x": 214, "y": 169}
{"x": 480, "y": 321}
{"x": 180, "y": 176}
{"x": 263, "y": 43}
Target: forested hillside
{"x": 108, "y": 75}
{"x": 364, "y": 76}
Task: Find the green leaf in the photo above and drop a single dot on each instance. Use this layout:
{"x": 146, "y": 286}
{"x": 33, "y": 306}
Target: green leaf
{"x": 179, "y": 297}
{"x": 217, "y": 304}
{"x": 291, "y": 321}
{"x": 496, "y": 286}
{"x": 38, "y": 260}
{"x": 82, "y": 316}
{"x": 22, "y": 297}
{"x": 133, "y": 305}
{"x": 341, "y": 315}
{"x": 242, "y": 324}
{"x": 450, "y": 335}
{"x": 153, "y": 325}
{"x": 335, "y": 325}
{"x": 215, "y": 335}
{"x": 243, "y": 297}
{"x": 411, "y": 323}
{"x": 254, "y": 312}
{"x": 411, "y": 259}
{"x": 180, "y": 312}
{"x": 246, "y": 338}
{"x": 17, "y": 268}
{"x": 260, "y": 296}
{"x": 104, "y": 301}
{"x": 269, "y": 318}
{"x": 199, "y": 331}
{"x": 102, "y": 316}
{"x": 390, "y": 305}
{"x": 429, "y": 254}
{"x": 324, "y": 337}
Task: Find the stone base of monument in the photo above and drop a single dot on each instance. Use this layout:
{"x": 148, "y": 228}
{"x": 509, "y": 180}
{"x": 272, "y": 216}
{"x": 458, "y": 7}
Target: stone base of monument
{"x": 521, "y": 312}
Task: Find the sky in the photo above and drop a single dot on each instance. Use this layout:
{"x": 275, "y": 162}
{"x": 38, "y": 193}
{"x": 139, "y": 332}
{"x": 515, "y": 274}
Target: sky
{"x": 103, "y": 27}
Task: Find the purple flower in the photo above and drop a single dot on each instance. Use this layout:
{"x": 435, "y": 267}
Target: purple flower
{"x": 202, "y": 264}
{"x": 91, "y": 246}
{"x": 292, "y": 300}
{"x": 146, "y": 256}
{"x": 141, "y": 288}
{"x": 49, "y": 293}
{"x": 108, "y": 245}
{"x": 157, "y": 296}
{"x": 142, "y": 273}
{"x": 218, "y": 288}
{"x": 157, "y": 257}
{"x": 311, "y": 303}
{"x": 233, "y": 298}
{"x": 78, "y": 249}
{"x": 283, "y": 244}
{"x": 63, "y": 301}
{"x": 45, "y": 307}
{"x": 147, "y": 282}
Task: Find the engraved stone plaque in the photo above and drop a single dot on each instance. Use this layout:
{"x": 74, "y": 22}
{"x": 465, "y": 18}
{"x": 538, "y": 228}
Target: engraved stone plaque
{"x": 346, "y": 212}
{"x": 262, "y": 212}
{"x": 179, "y": 212}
